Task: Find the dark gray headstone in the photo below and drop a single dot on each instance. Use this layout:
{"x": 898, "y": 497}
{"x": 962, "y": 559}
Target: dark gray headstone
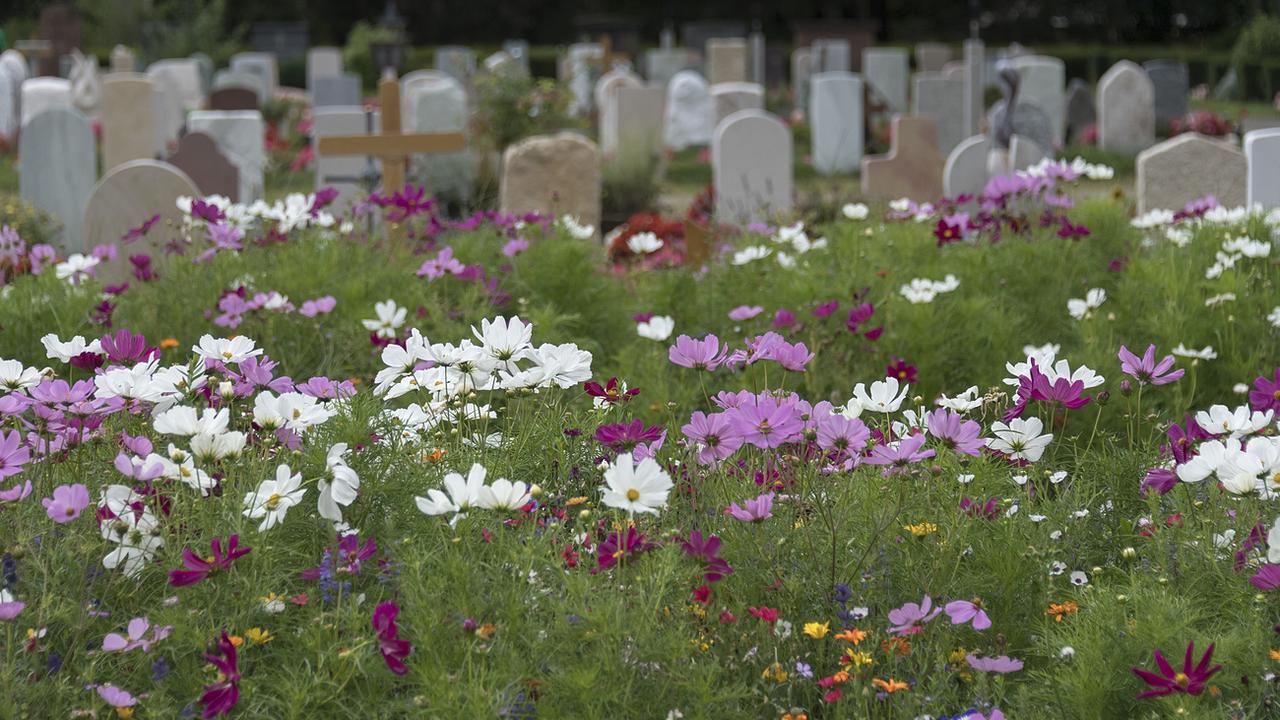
{"x": 336, "y": 90}
{"x": 1081, "y": 110}
{"x": 1172, "y": 85}
{"x": 233, "y": 98}
{"x": 1029, "y": 121}
{"x": 198, "y": 156}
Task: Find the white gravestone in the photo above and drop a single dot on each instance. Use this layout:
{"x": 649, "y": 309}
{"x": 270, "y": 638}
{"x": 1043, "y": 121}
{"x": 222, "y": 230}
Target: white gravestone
{"x": 835, "y": 117}
{"x": 1262, "y": 148}
{"x": 688, "y": 111}
{"x": 437, "y": 105}
{"x": 44, "y": 93}
{"x": 1044, "y": 84}
{"x": 59, "y": 165}
{"x": 1126, "y": 109}
{"x": 942, "y": 99}
{"x": 751, "y": 167}
{"x": 885, "y": 70}
{"x": 731, "y": 97}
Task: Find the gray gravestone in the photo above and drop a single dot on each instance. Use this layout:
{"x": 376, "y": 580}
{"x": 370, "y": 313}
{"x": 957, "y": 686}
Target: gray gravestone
{"x": 1262, "y": 149}
{"x": 261, "y": 64}
{"x": 885, "y": 70}
{"x": 206, "y": 66}
{"x": 342, "y": 172}
{"x": 728, "y": 98}
{"x": 751, "y": 167}
{"x": 128, "y": 119}
{"x": 437, "y": 105}
{"x": 1044, "y": 85}
{"x": 322, "y": 62}
{"x": 831, "y": 55}
{"x": 1081, "y": 111}
{"x": 801, "y": 74}
{"x": 182, "y": 79}
{"x": 835, "y": 119}
{"x": 336, "y": 90}
{"x": 1126, "y": 109}
{"x": 198, "y": 156}
{"x": 975, "y": 85}
{"x": 606, "y": 91}
{"x": 457, "y": 61}
{"x": 125, "y": 198}
{"x": 44, "y": 93}
{"x": 1029, "y": 121}
{"x": 662, "y": 65}
{"x": 58, "y": 167}
{"x": 580, "y": 70}
{"x": 252, "y": 81}
{"x": 1189, "y": 167}
{"x": 1172, "y": 84}
{"x": 240, "y": 137}
{"x": 689, "y": 111}
{"x": 940, "y": 98}
{"x": 639, "y": 119}
{"x": 931, "y": 56}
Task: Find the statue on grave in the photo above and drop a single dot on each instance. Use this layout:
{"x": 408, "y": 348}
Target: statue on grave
{"x": 86, "y": 86}
{"x": 999, "y": 161}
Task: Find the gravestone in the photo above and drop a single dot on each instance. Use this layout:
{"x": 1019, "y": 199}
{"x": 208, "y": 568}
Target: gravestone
{"x": 1044, "y": 85}
{"x": 967, "y": 170}
{"x": 728, "y": 98}
{"x": 410, "y": 81}
{"x": 252, "y": 81}
{"x": 1029, "y": 121}
{"x": 123, "y": 60}
{"x": 239, "y": 135}
{"x": 438, "y": 105}
{"x": 126, "y": 197}
{"x": 58, "y": 167}
{"x": 689, "y": 111}
{"x": 500, "y": 63}
{"x": 1081, "y": 111}
{"x": 885, "y": 70}
{"x": 975, "y": 85}
{"x": 938, "y": 97}
{"x": 751, "y": 168}
{"x": 835, "y": 119}
{"x": 661, "y": 65}
{"x": 336, "y": 90}
{"x": 128, "y": 119}
{"x": 341, "y": 121}
{"x": 581, "y": 68}
{"x": 198, "y": 156}
{"x": 44, "y": 93}
{"x": 9, "y": 119}
{"x": 726, "y": 60}
{"x": 697, "y": 34}
{"x": 206, "y": 68}
{"x": 757, "y": 50}
{"x": 182, "y": 79}
{"x": 60, "y": 27}
{"x": 288, "y": 40}
{"x": 639, "y": 119}
{"x": 1172, "y": 85}
{"x": 233, "y": 98}
{"x": 261, "y": 64}
{"x": 931, "y": 56}
{"x": 1126, "y": 109}
{"x": 801, "y": 75}
{"x": 1262, "y": 149}
{"x": 458, "y": 61}
{"x": 519, "y": 52}
{"x": 322, "y": 62}
{"x": 1189, "y": 167}
{"x": 913, "y": 166}
{"x": 86, "y": 85}
{"x": 169, "y": 117}
{"x": 830, "y": 55}
{"x": 1248, "y": 124}
{"x": 552, "y": 174}
{"x": 14, "y": 68}
{"x": 954, "y": 70}
{"x": 605, "y": 93}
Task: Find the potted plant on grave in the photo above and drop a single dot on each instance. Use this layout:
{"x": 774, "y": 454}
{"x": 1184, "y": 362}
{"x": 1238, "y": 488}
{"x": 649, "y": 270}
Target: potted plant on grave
{"x": 629, "y": 185}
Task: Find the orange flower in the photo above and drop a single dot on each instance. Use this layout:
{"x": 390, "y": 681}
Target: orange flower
{"x": 841, "y": 677}
{"x": 797, "y": 716}
{"x": 434, "y": 455}
{"x": 169, "y": 343}
{"x": 354, "y": 380}
{"x": 1274, "y": 655}
{"x": 896, "y": 646}
{"x": 236, "y": 640}
{"x": 890, "y": 686}
{"x": 486, "y": 630}
{"x": 1059, "y": 611}
{"x": 852, "y": 635}
{"x": 575, "y": 501}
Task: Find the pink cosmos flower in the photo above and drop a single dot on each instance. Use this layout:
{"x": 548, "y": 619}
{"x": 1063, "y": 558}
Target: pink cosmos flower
{"x": 1146, "y": 370}
{"x": 11, "y": 609}
{"x": 115, "y": 697}
{"x": 768, "y": 422}
{"x": 515, "y": 247}
{"x": 16, "y": 493}
{"x": 198, "y": 568}
{"x": 136, "y": 637}
{"x": 444, "y": 263}
{"x": 1001, "y": 664}
{"x": 223, "y": 694}
{"x": 1265, "y": 394}
{"x": 964, "y": 611}
{"x": 704, "y": 354}
{"x": 319, "y": 306}
{"x": 67, "y": 502}
{"x": 744, "y": 312}
{"x": 899, "y": 455}
{"x": 13, "y": 454}
{"x": 842, "y": 435}
{"x": 714, "y": 435}
{"x": 756, "y": 510}
{"x": 955, "y": 431}
{"x": 910, "y": 618}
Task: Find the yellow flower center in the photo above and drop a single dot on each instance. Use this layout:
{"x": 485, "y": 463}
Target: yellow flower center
{"x": 273, "y": 501}
{"x": 1182, "y": 679}
{"x": 226, "y": 354}
{"x": 633, "y": 494}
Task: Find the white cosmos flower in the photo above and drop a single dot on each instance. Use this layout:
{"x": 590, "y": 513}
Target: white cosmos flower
{"x": 76, "y": 268}
{"x": 228, "y": 351}
{"x": 564, "y": 366}
{"x": 133, "y": 383}
{"x": 1020, "y": 439}
{"x": 1207, "y": 353}
{"x": 137, "y": 538}
{"x": 1152, "y": 218}
{"x": 963, "y": 402}
{"x": 183, "y": 420}
{"x": 13, "y": 376}
{"x": 658, "y": 327}
{"x": 64, "y": 351}
{"x": 503, "y": 494}
{"x": 390, "y": 319}
{"x": 1210, "y": 455}
{"x": 750, "y": 254}
{"x": 273, "y": 498}
{"x": 1274, "y": 317}
{"x": 400, "y": 361}
{"x": 635, "y": 487}
{"x": 1273, "y": 542}
{"x": 1081, "y": 309}
{"x": 182, "y": 467}
{"x": 345, "y": 484}
{"x": 215, "y": 446}
{"x": 1241, "y": 421}
{"x": 506, "y": 341}
{"x": 294, "y": 411}
{"x": 886, "y": 395}
{"x": 577, "y": 229}
{"x": 462, "y": 494}
{"x": 643, "y": 243}
{"x": 855, "y": 211}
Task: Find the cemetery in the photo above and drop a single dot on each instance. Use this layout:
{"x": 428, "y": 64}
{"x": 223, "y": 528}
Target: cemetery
{"x": 891, "y": 360}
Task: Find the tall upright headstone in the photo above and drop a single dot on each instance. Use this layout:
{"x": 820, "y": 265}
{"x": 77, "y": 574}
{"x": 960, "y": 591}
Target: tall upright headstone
{"x": 344, "y": 173}
{"x": 1044, "y": 84}
{"x": 639, "y": 119}
{"x": 913, "y": 166}
{"x": 605, "y": 93}
{"x": 938, "y": 97}
{"x": 1172, "y": 84}
{"x": 1081, "y": 110}
{"x": 240, "y": 135}
{"x": 1189, "y": 167}
{"x": 338, "y": 90}
{"x": 1126, "y": 109}
{"x": 553, "y": 174}
{"x": 831, "y": 55}
{"x": 182, "y": 78}
{"x": 261, "y": 64}
{"x": 247, "y": 80}
{"x": 689, "y": 111}
{"x": 975, "y": 85}
{"x": 128, "y": 119}
{"x": 751, "y": 167}
{"x": 322, "y": 62}
{"x": 660, "y": 65}
{"x": 835, "y": 119}
{"x": 59, "y": 165}
{"x": 931, "y": 56}
{"x": 726, "y": 60}
{"x": 458, "y": 61}
{"x": 885, "y": 70}
{"x": 44, "y": 93}
{"x": 581, "y": 63}
{"x": 1262, "y": 148}
{"x": 437, "y": 105}
{"x": 198, "y": 156}
{"x": 801, "y": 73}
{"x": 756, "y": 45}
{"x": 123, "y": 60}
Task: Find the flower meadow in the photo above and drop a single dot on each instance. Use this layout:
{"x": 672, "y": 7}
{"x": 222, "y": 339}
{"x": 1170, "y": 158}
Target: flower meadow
{"x": 1007, "y": 456}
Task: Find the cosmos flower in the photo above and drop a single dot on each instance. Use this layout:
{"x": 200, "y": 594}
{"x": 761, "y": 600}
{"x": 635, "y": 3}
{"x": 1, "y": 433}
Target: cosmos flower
{"x": 1190, "y": 680}
{"x": 394, "y": 649}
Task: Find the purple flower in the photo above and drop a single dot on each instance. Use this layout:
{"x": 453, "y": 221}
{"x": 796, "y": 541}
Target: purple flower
{"x": 621, "y": 437}
{"x": 909, "y": 619}
{"x": 767, "y": 422}
{"x": 756, "y": 510}
{"x": 744, "y": 312}
{"x": 1191, "y": 680}
{"x": 136, "y": 636}
{"x": 67, "y": 502}
{"x": 715, "y": 436}
{"x": 897, "y": 456}
{"x": 442, "y": 264}
{"x": 515, "y": 247}
{"x": 1001, "y": 664}
{"x": 784, "y": 319}
{"x": 115, "y": 697}
{"x": 844, "y": 436}
{"x": 1062, "y": 390}
{"x": 826, "y": 309}
{"x": 1162, "y": 480}
{"x": 707, "y": 549}
{"x": 955, "y": 431}
{"x": 18, "y": 492}
{"x": 319, "y": 306}
{"x": 198, "y": 568}
{"x": 124, "y": 347}
{"x": 137, "y": 232}
{"x": 223, "y": 694}
{"x": 1265, "y": 394}
{"x": 13, "y": 454}
{"x": 1146, "y": 370}
{"x": 1267, "y": 577}
{"x": 10, "y": 609}
{"x": 704, "y": 354}
{"x": 964, "y": 611}
{"x": 142, "y": 267}
{"x": 394, "y": 648}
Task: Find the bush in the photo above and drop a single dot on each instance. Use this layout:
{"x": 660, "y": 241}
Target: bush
{"x": 629, "y": 183}
{"x": 511, "y": 106}
{"x": 34, "y": 226}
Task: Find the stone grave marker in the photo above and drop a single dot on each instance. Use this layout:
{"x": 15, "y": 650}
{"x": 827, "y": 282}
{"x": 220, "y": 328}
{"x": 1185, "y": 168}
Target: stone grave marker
{"x": 830, "y": 55}
{"x": 44, "y": 93}
{"x": 1126, "y": 109}
{"x": 729, "y": 98}
{"x": 913, "y": 166}
{"x": 968, "y": 169}
{"x": 519, "y": 52}
{"x": 252, "y": 81}
{"x": 1172, "y": 84}
{"x": 322, "y": 62}
{"x": 58, "y": 166}
{"x": 581, "y": 64}
{"x": 261, "y": 64}
{"x": 9, "y": 120}
{"x": 938, "y": 97}
{"x": 1262, "y": 150}
{"x": 458, "y": 61}
{"x": 233, "y": 98}
{"x": 182, "y": 79}
{"x": 931, "y": 56}
{"x": 552, "y": 174}
{"x": 128, "y": 119}
{"x": 1189, "y": 167}
{"x": 758, "y": 49}
{"x": 751, "y": 167}
{"x": 975, "y": 85}
{"x": 801, "y": 76}
{"x": 885, "y": 70}
{"x": 123, "y": 60}
{"x": 835, "y": 119}
{"x": 336, "y": 90}
{"x": 689, "y": 111}
{"x": 606, "y": 92}
{"x": 126, "y": 197}
{"x": 639, "y": 112}
{"x": 1044, "y": 85}
{"x": 661, "y": 65}
{"x": 206, "y": 67}
{"x": 14, "y": 68}
{"x": 1029, "y": 121}
{"x": 198, "y": 156}
{"x": 345, "y": 173}
{"x": 239, "y": 136}
{"x": 439, "y": 105}
{"x": 726, "y": 60}
{"x": 1081, "y": 111}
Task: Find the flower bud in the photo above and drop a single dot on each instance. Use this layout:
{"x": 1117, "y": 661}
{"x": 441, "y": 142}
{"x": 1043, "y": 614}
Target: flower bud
{"x": 1126, "y": 388}
{"x": 1103, "y": 398}
{"x": 584, "y": 514}
{"x": 226, "y": 390}
{"x": 1129, "y": 553}
{"x": 535, "y": 490}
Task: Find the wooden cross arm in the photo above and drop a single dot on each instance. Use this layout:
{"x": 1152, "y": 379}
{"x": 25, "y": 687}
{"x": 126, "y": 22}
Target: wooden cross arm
{"x": 392, "y": 145}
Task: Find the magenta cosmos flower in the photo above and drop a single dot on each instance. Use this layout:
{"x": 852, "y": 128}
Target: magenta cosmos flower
{"x": 394, "y": 648}
{"x": 955, "y": 431}
{"x": 707, "y": 549}
{"x": 198, "y": 568}
{"x": 1265, "y": 394}
{"x": 909, "y": 619}
{"x": 223, "y": 694}
{"x": 66, "y": 503}
{"x": 1190, "y": 680}
{"x": 844, "y": 436}
{"x": 10, "y": 609}
{"x": 13, "y": 454}
{"x": 18, "y": 492}
{"x": 1146, "y": 370}
{"x": 715, "y": 436}
{"x": 621, "y": 437}
{"x": 767, "y": 422}
{"x": 704, "y": 354}
{"x": 756, "y": 510}
{"x": 745, "y": 312}
{"x": 1001, "y": 664}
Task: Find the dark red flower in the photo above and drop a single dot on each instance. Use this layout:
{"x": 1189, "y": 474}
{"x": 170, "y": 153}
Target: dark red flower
{"x": 394, "y": 649}
{"x": 221, "y": 696}
{"x": 1190, "y": 680}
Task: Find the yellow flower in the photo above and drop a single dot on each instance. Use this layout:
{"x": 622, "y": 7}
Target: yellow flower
{"x": 817, "y": 631}
{"x": 957, "y": 656}
{"x": 575, "y": 501}
{"x": 852, "y": 635}
{"x": 857, "y": 658}
{"x": 921, "y": 529}
{"x": 1275, "y": 655}
{"x": 775, "y": 672}
{"x": 124, "y": 712}
{"x": 259, "y": 636}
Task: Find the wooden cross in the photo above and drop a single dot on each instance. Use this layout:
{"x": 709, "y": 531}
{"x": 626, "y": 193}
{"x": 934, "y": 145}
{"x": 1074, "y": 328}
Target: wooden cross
{"x": 392, "y": 147}
{"x": 607, "y": 56}
{"x": 697, "y": 245}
